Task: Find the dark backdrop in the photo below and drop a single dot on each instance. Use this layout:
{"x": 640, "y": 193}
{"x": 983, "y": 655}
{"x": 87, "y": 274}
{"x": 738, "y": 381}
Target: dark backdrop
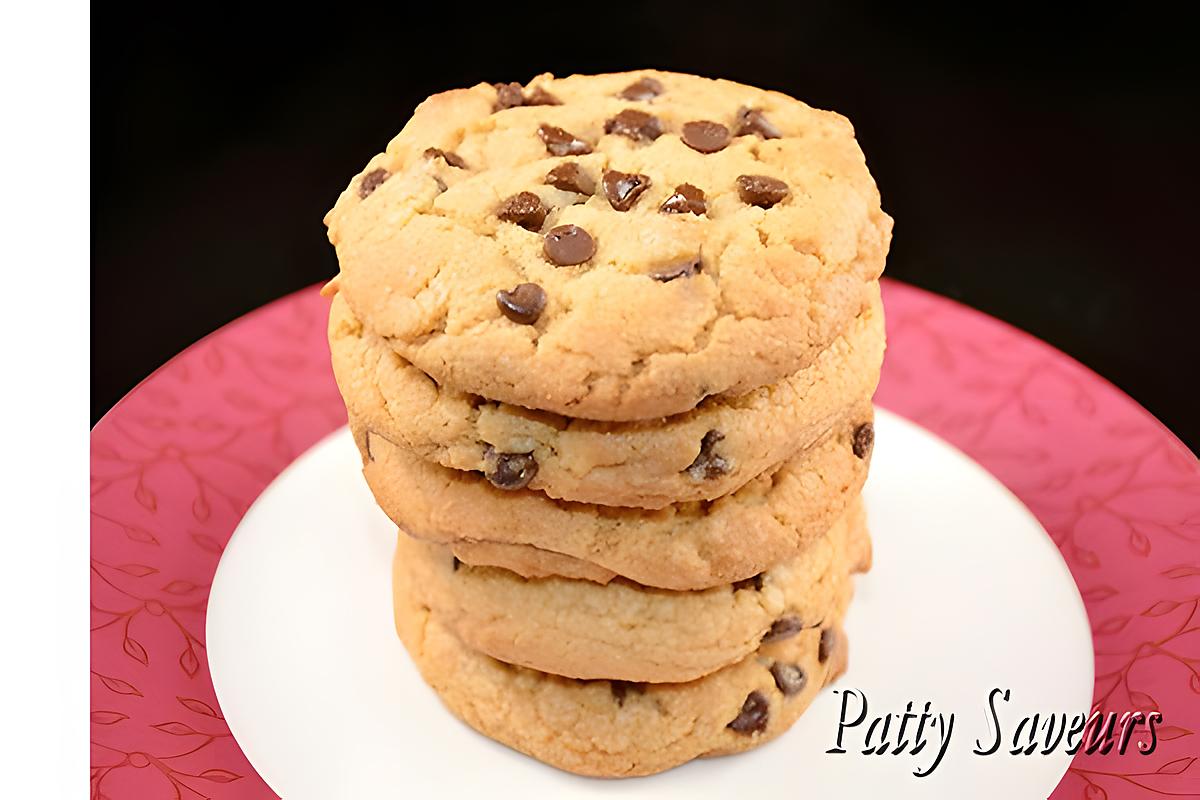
{"x": 1042, "y": 170}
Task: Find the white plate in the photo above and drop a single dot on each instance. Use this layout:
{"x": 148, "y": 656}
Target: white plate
{"x": 967, "y": 594}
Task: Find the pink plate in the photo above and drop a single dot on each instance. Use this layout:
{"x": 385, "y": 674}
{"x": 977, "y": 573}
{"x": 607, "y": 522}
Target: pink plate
{"x": 179, "y": 460}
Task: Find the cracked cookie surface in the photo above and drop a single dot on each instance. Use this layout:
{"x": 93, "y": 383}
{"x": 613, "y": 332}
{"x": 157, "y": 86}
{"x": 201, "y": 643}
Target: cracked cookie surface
{"x": 581, "y": 629}
{"x": 648, "y": 464}
{"x": 616, "y": 728}
{"x": 692, "y": 545}
{"x": 649, "y": 296}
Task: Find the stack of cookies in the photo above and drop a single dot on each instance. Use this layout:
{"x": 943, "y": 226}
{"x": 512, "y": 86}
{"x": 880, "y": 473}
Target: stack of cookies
{"x": 608, "y": 346}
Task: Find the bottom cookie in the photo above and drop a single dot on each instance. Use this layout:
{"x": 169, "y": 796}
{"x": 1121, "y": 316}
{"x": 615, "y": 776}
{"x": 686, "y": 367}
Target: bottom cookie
{"x": 612, "y": 728}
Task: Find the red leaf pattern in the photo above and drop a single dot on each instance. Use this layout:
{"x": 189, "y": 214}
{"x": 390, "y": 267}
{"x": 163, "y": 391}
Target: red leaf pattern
{"x": 176, "y": 729}
{"x": 219, "y": 775}
{"x": 137, "y": 570}
{"x": 199, "y": 707}
{"x": 133, "y": 648}
{"x": 117, "y": 685}
{"x": 189, "y": 663}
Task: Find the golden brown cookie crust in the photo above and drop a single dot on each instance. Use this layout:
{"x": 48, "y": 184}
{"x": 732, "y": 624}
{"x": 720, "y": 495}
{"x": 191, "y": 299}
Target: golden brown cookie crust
{"x": 581, "y": 629}
{"x": 634, "y": 464}
{"x": 629, "y": 333}
{"x": 683, "y": 546}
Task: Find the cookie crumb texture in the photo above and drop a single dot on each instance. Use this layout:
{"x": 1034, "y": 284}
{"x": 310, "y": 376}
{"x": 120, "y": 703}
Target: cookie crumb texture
{"x": 779, "y": 256}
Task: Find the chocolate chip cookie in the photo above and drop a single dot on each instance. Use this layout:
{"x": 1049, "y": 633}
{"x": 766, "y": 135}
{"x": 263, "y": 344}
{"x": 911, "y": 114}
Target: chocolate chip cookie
{"x": 617, "y": 728}
{"x": 581, "y": 629}
{"x": 699, "y": 455}
{"x": 693, "y": 545}
{"x": 608, "y": 254}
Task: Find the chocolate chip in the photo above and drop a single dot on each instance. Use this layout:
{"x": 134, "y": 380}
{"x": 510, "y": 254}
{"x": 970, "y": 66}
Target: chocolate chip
{"x": 783, "y": 628}
{"x": 623, "y": 188}
{"x": 523, "y": 304}
{"x": 509, "y": 95}
{"x": 705, "y": 136}
{"x": 864, "y": 439}
{"x": 509, "y": 471}
{"x": 372, "y": 181}
{"x": 753, "y": 716}
{"x": 540, "y": 97}
{"x": 567, "y": 245}
{"x": 641, "y": 89}
{"x": 761, "y": 190}
{"x": 829, "y": 640}
{"x": 637, "y": 125}
{"x": 622, "y": 688}
{"x": 570, "y": 177}
{"x": 683, "y": 269}
{"x": 750, "y": 121}
{"x": 562, "y": 143}
{"x": 687, "y": 200}
{"x": 708, "y": 464}
{"x": 524, "y": 209}
{"x": 789, "y": 678}
{"x": 451, "y": 158}
{"x": 455, "y": 564}
{"x": 755, "y": 583}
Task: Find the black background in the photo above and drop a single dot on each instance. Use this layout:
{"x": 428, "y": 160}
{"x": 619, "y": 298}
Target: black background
{"x": 1042, "y": 170}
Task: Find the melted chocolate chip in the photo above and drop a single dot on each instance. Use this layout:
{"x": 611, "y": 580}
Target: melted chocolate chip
{"x": 864, "y": 439}
{"x": 637, "y": 125}
{"x": 562, "y": 143}
{"x": 509, "y": 95}
{"x": 509, "y": 471}
{"x": 622, "y": 688}
{"x": 761, "y": 190}
{"x": 754, "y": 715}
{"x": 642, "y": 89}
{"x": 523, "y": 304}
{"x": 623, "y": 188}
{"x": 687, "y": 200}
{"x": 683, "y": 269}
{"x": 567, "y": 245}
{"x": 372, "y": 181}
{"x": 705, "y": 136}
{"x": 450, "y": 158}
{"x": 783, "y": 628}
{"x": 789, "y": 678}
{"x": 540, "y": 97}
{"x": 524, "y": 209}
{"x": 755, "y": 583}
{"x": 829, "y": 640}
{"x": 708, "y": 464}
{"x": 750, "y": 122}
{"x": 570, "y": 177}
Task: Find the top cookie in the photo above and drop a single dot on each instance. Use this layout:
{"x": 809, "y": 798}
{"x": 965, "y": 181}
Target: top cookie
{"x": 612, "y": 247}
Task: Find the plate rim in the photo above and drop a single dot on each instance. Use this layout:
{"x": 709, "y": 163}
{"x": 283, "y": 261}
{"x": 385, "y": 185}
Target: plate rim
{"x": 118, "y": 718}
